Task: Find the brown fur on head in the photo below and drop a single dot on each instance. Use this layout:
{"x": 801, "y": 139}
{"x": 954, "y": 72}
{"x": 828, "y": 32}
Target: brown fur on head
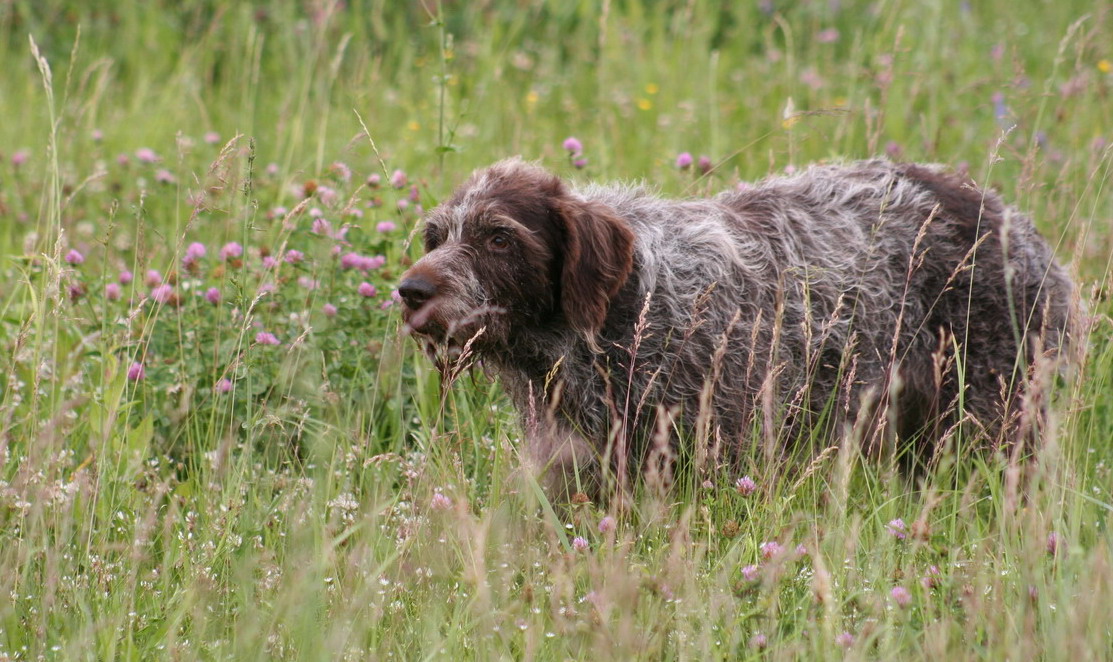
{"x": 513, "y": 250}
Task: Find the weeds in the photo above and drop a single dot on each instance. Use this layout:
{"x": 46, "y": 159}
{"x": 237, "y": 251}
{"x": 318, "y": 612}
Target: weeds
{"x": 214, "y": 441}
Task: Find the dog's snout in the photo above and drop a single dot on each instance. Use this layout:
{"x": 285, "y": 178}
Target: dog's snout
{"x": 415, "y": 291}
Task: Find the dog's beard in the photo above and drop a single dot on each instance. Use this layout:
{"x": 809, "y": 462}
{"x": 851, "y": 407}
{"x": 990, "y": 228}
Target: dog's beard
{"x": 453, "y": 345}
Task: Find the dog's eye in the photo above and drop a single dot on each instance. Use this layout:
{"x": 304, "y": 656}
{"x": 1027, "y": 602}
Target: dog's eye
{"x": 498, "y": 242}
{"x": 431, "y": 240}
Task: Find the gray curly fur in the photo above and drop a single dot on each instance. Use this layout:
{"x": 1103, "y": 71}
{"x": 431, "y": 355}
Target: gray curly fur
{"x": 843, "y": 294}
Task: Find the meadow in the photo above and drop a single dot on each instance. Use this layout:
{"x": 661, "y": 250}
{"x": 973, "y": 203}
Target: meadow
{"x": 215, "y": 442}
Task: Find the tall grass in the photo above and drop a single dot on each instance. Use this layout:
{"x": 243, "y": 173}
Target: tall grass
{"x": 330, "y": 499}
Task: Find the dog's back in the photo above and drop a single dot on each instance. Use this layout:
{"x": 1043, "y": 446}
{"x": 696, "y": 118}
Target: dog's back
{"x": 821, "y": 288}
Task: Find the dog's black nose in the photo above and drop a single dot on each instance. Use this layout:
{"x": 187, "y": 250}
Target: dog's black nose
{"x": 415, "y": 291}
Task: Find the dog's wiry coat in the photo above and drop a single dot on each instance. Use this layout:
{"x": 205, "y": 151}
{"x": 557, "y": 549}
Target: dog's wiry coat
{"x": 841, "y": 292}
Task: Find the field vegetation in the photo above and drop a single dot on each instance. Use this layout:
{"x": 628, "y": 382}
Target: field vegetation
{"x": 216, "y": 444}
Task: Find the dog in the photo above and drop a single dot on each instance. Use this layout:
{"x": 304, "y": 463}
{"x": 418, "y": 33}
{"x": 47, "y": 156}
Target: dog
{"x": 893, "y": 299}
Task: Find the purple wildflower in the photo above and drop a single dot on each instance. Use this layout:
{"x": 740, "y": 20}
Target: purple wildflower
{"x": 163, "y": 293}
{"x": 75, "y": 257}
{"x": 20, "y": 157}
{"x": 373, "y": 181}
{"x": 327, "y": 194}
{"x": 750, "y": 573}
{"x": 684, "y": 161}
{"x": 294, "y": 256}
{"x": 579, "y": 544}
{"x": 704, "y": 164}
{"x": 607, "y": 524}
{"x": 112, "y": 291}
{"x": 329, "y": 310}
{"x": 196, "y": 250}
{"x": 366, "y": 289}
{"x": 322, "y": 226}
{"x": 573, "y": 146}
{"x": 126, "y": 277}
{"x": 272, "y": 169}
{"x": 745, "y": 486}
{"x": 136, "y": 372}
{"x": 759, "y": 640}
{"x": 844, "y": 639}
{"x": 440, "y": 502}
{"x": 266, "y": 338}
{"x": 932, "y": 578}
{"x": 193, "y": 254}
{"x": 269, "y": 262}
{"x": 580, "y": 163}
{"x": 153, "y": 278}
{"x": 341, "y": 171}
{"x": 398, "y": 179}
{"x": 900, "y": 596}
{"x": 223, "y": 386}
{"x": 231, "y": 250}
{"x": 351, "y": 260}
{"x": 164, "y": 176}
{"x": 386, "y": 226}
{"x": 770, "y": 549}
{"x": 1053, "y": 543}
{"x": 212, "y": 295}
{"x": 897, "y": 529}
{"x": 828, "y": 36}
{"x": 146, "y": 155}
{"x": 212, "y": 137}
{"x": 371, "y": 263}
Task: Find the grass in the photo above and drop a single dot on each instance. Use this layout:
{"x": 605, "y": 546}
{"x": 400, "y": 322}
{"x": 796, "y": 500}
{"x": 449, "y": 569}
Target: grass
{"x": 330, "y": 500}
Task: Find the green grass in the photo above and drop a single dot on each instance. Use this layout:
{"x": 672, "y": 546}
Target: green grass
{"x": 296, "y": 516}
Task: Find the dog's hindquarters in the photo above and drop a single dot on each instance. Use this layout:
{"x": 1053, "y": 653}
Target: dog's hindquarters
{"x": 934, "y": 283}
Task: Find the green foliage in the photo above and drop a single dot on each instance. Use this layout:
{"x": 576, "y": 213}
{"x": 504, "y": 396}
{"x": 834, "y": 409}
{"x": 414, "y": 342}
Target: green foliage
{"x": 332, "y": 499}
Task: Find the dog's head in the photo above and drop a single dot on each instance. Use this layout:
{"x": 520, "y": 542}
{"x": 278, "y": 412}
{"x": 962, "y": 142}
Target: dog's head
{"x": 513, "y": 250}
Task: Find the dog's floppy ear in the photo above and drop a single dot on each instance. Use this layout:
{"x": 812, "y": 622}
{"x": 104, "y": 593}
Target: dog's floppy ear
{"x": 598, "y": 257}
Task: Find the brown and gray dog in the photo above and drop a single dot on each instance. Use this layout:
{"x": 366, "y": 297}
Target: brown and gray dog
{"x": 896, "y": 298}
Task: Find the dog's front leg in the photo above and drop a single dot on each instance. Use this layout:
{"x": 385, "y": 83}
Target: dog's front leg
{"x": 564, "y": 463}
